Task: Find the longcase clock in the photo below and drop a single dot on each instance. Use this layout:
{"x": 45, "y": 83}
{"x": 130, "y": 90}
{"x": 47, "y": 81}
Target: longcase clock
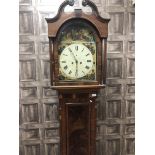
{"x": 77, "y": 47}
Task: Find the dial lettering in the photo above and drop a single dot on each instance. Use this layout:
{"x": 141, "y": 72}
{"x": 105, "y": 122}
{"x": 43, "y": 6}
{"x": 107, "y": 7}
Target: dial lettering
{"x": 87, "y": 67}
{"x": 82, "y": 50}
{"x": 70, "y": 49}
{"x": 70, "y": 72}
{"x": 65, "y": 67}
{"x": 83, "y": 72}
{"x": 65, "y": 54}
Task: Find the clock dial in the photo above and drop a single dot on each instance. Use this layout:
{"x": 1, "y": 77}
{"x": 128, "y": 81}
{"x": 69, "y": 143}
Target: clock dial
{"x": 76, "y": 61}
{"x": 77, "y": 52}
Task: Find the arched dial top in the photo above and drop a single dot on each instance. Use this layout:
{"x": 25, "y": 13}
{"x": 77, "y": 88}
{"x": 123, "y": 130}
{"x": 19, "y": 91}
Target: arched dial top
{"x": 77, "y": 51}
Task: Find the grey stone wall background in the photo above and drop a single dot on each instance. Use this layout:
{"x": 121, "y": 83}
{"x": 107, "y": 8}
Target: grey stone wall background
{"x": 39, "y": 123}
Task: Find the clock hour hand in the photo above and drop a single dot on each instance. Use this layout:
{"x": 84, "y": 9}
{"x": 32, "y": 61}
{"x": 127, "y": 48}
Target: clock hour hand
{"x": 76, "y": 61}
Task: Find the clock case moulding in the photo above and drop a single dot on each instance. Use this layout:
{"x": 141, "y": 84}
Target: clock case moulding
{"x": 99, "y": 24}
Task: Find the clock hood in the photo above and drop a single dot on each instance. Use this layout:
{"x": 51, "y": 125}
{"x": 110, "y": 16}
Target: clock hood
{"x": 100, "y": 23}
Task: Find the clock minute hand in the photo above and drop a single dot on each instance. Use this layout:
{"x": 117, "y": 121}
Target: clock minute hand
{"x": 76, "y": 61}
{"x": 72, "y": 54}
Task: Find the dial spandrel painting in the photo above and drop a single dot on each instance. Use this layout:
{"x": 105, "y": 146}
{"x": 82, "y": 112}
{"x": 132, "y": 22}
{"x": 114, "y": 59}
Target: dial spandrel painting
{"x": 77, "y": 52}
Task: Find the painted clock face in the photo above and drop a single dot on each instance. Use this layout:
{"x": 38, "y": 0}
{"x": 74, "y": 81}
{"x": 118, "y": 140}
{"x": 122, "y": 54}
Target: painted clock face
{"x": 76, "y": 61}
{"x": 77, "y": 53}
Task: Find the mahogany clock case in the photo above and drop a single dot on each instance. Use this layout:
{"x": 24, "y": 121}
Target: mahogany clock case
{"x": 77, "y": 97}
